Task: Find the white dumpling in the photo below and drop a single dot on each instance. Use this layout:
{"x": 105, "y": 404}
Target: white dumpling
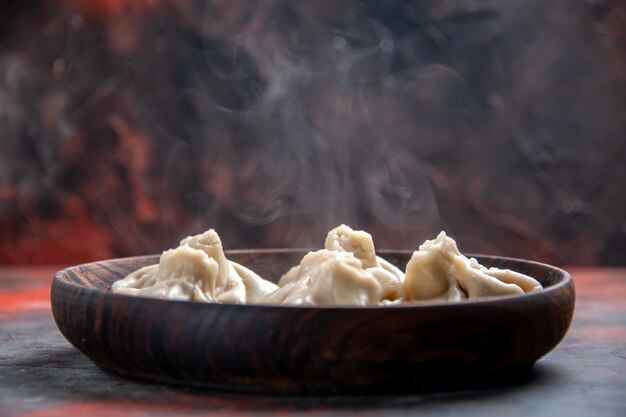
{"x": 507, "y": 276}
{"x": 197, "y": 270}
{"x": 438, "y": 271}
{"x": 328, "y": 278}
{"x": 344, "y": 239}
{"x": 183, "y": 273}
{"x": 143, "y": 277}
{"x": 289, "y": 276}
{"x": 360, "y": 244}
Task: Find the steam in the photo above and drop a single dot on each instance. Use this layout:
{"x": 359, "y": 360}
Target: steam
{"x": 315, "y": 151}
{"x": 275, "y": 121}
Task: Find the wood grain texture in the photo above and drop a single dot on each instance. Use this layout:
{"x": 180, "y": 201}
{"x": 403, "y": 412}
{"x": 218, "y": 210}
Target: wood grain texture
{"x": 42, "y": 374}
{"x": 282, "y": 349}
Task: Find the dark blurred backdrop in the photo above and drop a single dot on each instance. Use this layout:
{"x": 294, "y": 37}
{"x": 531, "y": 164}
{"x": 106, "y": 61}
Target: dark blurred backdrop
{"x": 126, "y": 125}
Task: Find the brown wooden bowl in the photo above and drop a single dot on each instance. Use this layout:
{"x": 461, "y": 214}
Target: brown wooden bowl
{"x": 284, "y": 349}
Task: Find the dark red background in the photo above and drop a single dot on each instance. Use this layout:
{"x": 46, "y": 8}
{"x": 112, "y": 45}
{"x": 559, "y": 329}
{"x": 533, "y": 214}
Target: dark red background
{"x": 126, "y": 125}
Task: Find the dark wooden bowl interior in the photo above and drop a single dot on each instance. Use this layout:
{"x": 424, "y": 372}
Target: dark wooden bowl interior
{"x": 282, "y": 349}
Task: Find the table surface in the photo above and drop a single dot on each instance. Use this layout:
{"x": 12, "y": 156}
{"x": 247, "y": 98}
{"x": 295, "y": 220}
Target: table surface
{"x": 41, "y": 374}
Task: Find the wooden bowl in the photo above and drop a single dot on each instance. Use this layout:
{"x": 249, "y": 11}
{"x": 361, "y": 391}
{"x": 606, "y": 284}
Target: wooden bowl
{"x": 282, "y": 349}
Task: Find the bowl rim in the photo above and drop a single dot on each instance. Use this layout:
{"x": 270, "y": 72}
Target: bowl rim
{"x": 565, "y": 282}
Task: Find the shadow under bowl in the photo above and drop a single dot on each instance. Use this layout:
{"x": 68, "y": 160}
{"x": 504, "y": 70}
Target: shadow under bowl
{"x": 286, "y": 349}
